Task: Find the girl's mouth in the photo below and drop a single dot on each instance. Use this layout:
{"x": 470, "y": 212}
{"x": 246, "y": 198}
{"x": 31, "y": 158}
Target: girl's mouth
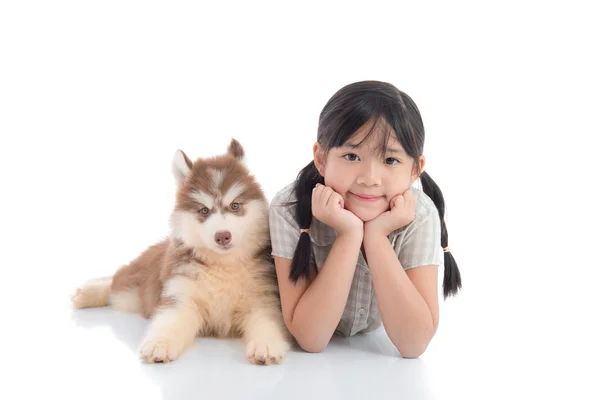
{"x": 369, "y": 198}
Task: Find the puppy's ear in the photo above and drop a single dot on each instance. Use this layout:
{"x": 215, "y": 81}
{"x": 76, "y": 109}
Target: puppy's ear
{"x": 182, "y": 167}
{"x": 236, "y": 150}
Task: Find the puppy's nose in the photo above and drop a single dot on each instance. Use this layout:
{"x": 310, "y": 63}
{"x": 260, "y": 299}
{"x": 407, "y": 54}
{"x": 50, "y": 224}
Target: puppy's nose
{"x": 223, "y": 238}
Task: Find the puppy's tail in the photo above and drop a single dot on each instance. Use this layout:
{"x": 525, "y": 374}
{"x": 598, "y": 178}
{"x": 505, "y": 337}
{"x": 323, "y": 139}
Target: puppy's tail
{"x": 93, "y": 293}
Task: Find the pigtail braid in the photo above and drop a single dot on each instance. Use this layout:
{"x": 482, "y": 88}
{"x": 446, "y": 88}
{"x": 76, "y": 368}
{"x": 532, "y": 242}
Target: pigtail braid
{"x": 452, "y": 278}
{"x": 306, "y": 181}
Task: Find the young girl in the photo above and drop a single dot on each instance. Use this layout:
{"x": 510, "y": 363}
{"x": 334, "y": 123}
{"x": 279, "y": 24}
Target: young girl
{"x": 354, "y": 244}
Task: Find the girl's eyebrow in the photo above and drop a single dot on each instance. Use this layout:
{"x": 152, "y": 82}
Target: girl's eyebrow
{"x": 395, "y": 150}
{"x": 389, "y": 149}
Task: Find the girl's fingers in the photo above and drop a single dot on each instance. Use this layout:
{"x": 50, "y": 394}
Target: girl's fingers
{"x": 336, "y": 199}
{"x": 327, "y": 193}
{"x": 318, "y": 191}
{"x": 324, "y": 196}
{"x": 315, "y": 195}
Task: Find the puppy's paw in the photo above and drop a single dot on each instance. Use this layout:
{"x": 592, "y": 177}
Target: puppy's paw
{"x": 266, "y": 352}
{"x": 79, "y": 299}
{"x": 160, "y": 350}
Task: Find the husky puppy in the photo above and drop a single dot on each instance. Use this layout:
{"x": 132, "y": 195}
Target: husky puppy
{"x": 212, "y": 276}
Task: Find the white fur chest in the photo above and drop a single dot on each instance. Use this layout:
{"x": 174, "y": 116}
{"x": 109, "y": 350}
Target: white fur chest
{"x": 220, "y": 293}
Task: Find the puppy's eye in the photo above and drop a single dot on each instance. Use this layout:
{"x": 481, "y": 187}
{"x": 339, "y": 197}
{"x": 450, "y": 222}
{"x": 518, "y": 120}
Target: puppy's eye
{"x": 204, "y": 210}
{"x": 235, "y": 206}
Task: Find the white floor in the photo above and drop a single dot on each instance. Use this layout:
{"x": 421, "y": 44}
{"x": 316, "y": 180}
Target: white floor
{"x": 91, "y": 354}
{"x": 348, "y": 369}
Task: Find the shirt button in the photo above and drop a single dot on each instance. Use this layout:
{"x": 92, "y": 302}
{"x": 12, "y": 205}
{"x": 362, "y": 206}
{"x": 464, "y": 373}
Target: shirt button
{"x": 362, "y": 311}
{"x": 366, "y": 272}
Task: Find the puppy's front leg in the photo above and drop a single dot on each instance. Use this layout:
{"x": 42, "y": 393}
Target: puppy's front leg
{"x": 175, "y": 324}
{"x": 266, "y": 336}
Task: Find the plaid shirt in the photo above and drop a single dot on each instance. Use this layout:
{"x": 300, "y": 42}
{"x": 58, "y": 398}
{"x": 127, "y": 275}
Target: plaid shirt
{"x": 417, "y": 244}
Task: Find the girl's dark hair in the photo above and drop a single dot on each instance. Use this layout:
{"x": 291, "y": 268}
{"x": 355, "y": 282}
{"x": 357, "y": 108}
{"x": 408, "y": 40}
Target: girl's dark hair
{"x": 349, "y": 109}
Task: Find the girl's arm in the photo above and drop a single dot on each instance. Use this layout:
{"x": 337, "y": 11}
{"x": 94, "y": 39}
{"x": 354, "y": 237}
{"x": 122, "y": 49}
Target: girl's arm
{"x": 313, "y": 308}
{"x": 408, "y": 300}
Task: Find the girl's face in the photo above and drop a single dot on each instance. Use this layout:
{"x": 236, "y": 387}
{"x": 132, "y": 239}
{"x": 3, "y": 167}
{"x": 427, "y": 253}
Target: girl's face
{"x": 366, "y": 179}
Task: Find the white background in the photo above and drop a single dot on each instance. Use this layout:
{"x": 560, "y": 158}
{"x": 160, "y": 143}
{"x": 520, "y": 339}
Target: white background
{"x": 95, "y": 97}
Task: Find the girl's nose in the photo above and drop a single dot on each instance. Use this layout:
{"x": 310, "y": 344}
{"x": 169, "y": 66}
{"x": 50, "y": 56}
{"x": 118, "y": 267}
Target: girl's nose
{"x": 369, "y": 175}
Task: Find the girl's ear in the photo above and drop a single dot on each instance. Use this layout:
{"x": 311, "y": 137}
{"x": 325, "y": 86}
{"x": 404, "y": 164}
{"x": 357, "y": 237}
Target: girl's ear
{"x": 318, "y": 155}
{"x": 418, "y": 168}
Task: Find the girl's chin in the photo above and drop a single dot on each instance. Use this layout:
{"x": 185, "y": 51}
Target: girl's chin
{"x": 367, "y": 215}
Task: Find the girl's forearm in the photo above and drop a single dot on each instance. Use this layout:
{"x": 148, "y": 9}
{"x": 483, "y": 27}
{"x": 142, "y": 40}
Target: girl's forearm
{"x": 405, "y": 314}
{"x": 320, "y": 308}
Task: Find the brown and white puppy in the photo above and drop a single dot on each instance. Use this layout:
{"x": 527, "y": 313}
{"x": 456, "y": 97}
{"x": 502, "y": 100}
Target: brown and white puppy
{"x": 212, "y": 275}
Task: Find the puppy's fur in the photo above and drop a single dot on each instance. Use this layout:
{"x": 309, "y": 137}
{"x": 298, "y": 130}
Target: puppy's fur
{"x": 213, "y": 275}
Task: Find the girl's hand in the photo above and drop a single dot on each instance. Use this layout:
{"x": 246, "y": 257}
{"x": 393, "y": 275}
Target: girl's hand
{"x": 328, "y": 207}
{"x": 401, "y": 213}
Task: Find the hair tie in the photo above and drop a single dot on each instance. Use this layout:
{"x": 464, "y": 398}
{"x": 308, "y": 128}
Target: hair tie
{"x": 446, "y": 249}
{"x": 304, "y": 230}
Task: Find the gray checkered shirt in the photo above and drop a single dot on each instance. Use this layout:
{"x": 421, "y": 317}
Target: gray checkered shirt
{"x": 418, "y": 243}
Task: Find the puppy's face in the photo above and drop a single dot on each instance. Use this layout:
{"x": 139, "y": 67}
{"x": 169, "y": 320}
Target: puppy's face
{"x": 220, "y": 206}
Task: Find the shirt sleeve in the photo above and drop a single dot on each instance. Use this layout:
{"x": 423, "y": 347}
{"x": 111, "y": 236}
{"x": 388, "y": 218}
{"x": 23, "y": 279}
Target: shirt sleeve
{"x": 284, "y": 231}
{"x": 421, "y": 243}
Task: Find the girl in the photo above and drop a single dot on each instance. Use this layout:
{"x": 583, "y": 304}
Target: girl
{"x": 354, "y": 244}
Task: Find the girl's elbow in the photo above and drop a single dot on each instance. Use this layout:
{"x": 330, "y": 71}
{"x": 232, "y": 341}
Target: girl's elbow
{"x": 311, "y": 347}
{"x": 413, "y": 348}
{"x": 412, "y": 351}
{"x": 310, "y": 344}
{"x": 307, "y": 342}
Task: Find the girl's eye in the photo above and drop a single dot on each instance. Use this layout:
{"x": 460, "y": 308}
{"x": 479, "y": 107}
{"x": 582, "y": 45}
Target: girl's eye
{"x": 351, "y": 157}
{"x": 235, "y": 206}
{"x": 204, "y": 210}
{"x": 391, "y": 161}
